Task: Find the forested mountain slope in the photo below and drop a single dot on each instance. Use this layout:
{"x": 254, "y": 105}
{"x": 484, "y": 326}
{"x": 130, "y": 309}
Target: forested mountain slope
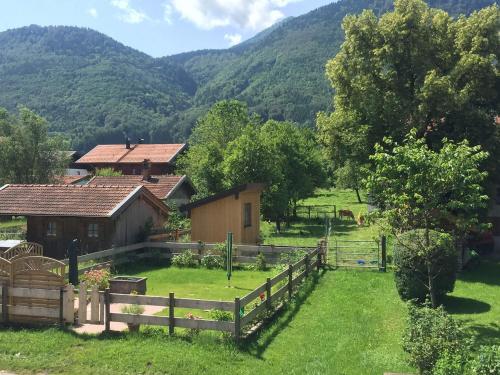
{"x": 95, "y": 89}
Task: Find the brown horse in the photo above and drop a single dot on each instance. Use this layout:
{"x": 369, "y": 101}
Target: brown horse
{"x": 346, "y": 213}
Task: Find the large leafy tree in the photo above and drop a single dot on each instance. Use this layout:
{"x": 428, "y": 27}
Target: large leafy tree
{"x": 415, "y": 67}
{"x": 418, "y": 188}
{"x": 223, "y": 123}
{"x": 28, "y": 155}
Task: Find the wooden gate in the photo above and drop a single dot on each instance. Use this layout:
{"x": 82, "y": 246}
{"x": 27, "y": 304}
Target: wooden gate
{"x": 33, "y": 290}
{"x": 357, "y": 254}
{"x": 22, "y": 250}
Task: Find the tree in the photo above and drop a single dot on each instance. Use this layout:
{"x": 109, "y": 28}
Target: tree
{"x": 107, "y": 172}
{"x": 28, "y": 155}
{"x": 415, "y": 67}
{"x": 222, "y": 124}
{"x": 415, "y": 187}
{"x": 281, "y": 155}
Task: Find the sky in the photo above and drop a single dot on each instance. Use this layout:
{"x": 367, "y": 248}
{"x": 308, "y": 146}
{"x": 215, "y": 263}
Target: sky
{"x": 159, "y": 27}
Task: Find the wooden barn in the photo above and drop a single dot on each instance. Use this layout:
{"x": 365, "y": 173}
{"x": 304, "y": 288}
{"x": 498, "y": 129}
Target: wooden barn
{"x": 100, "y": 217}
{"x": 236, "y": 210}
{"x": 130, "y": 158}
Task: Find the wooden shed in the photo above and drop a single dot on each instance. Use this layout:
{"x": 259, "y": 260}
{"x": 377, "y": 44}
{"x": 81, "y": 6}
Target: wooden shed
{"x": 236, "y": 210}
{"x": 100, "y": 217}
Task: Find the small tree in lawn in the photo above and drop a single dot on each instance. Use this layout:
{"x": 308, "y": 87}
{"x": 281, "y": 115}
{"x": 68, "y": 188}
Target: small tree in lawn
{"x": 415, "y": 187}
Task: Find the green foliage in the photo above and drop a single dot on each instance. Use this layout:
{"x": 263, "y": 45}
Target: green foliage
{"x": 292, "y": 257}
{"x": 421, "y": 188}
{"x": 451, "y": 364}
{"x": 28, "y": 155}
{"x": 260, "y": 262}
{"x": 487, "y": 362}
{"x": 132, "y": 309}
{"x": 431, "y": 333}
{"x": 416, "y": 263}
{"x": 213, "y": 261}
{"x": 99, "y": 278}
{"x": 175, "y": 219}
{"x": 187, "y": 259}
{"x": 221, "y": 315}
{"x": 107, "y": 172}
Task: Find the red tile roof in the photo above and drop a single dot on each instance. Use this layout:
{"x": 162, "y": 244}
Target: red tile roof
{"x": 69, "y": 200}
{"x": 160, "y": 186}
{"x": 156, "y": 153}
{"x": 69, "y": 180}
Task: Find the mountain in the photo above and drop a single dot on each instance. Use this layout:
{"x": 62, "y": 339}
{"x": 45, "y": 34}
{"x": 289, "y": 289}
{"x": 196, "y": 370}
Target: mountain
{"x": 96, "y": 90}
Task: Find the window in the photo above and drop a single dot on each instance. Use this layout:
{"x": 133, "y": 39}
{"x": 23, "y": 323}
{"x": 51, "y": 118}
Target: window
{"x": 93, "y": 231}
{"x": 51, "y": 229}
{"x": 247, "y": 215}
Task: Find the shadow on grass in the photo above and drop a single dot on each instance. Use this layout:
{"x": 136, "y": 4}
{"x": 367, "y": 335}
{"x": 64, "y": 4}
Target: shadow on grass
{"x": 257, "y": 343}
{"x": 487, "y": 273}
{"x": 486, "y": 334}
{"x": 462, "y": 305}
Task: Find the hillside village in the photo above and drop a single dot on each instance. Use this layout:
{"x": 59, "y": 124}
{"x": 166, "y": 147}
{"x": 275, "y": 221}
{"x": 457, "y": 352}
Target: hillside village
{"x": 336, "y": 214}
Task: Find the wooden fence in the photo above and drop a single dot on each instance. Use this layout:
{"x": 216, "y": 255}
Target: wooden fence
{"x": 264, "y": 298}
{"x": 241, "y": 254}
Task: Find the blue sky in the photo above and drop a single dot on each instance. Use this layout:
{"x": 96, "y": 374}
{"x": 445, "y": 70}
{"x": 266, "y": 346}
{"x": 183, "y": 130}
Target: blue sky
{"x": 159, "y": 27}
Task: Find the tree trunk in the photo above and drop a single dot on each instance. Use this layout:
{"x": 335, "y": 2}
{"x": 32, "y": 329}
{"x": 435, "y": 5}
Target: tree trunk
{"x": 432, "y": 292}
{"x": 278, "y": 225}
{"x": 359, "y": 196}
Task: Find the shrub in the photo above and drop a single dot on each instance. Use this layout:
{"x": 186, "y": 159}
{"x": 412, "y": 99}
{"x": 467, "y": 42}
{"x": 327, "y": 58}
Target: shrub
{"x": 221, "y": 316}
{"x": 411, "y": 271}
{"x": 292, "y": 257}
{"x": 488, "y": 361}
{"x": 451, "y": 364}
{"x": 132, "y": 309}
{"x": 260, "y": 262}
{"x": 431, "y": 333}
{"x": 185, "y": 259}
{"x": 212, "y": 261}
{"x": 99, "y": 278}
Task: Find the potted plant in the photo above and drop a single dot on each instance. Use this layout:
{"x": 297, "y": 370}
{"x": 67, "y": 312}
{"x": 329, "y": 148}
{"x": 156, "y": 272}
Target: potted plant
{"x": 133, "y": 309}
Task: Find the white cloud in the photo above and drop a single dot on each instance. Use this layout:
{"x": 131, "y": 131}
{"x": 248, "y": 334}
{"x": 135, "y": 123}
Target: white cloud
{"x": 93, "y": 12}
{"x": 167, "y": 13}
{"x": 233, "y": 39}
{"x": 246, "y": 14}
{"x": 129, "y": 14}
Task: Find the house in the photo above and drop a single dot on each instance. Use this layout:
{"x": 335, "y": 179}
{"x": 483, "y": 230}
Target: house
{"x": 73, "y": 179}
{"x": 100, "y": 217}
{"x": 236, "y": 210}
{"x": 129, "y": 159}
{"x": 170, "y": 189}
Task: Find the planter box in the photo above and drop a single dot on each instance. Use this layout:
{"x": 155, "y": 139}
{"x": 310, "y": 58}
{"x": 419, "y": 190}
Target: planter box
{"x": 127, "y": 284}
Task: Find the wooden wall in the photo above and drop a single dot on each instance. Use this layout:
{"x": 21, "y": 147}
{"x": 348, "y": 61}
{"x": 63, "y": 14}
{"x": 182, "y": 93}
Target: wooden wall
{"x": 69, "y": 228}
{"x": 128, "y": 225}
{"x": 212, "y": 221}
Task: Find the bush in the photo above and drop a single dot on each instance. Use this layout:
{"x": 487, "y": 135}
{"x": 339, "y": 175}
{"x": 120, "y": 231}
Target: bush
{"x": 212, "y": 261}
{"x": 99, "y": 278}
{"x": 186, "y": 259}
{"x": 221, "y": 316}
{"x": 488, "y": 361}
{"x": 260, "y": 262}
{"x": 451, "y": 364}
{"x": 292, "y": 257}
{"x": 430, "y": 333}
{"x": 410, "y": 268}
{"x": 132, "y": 309}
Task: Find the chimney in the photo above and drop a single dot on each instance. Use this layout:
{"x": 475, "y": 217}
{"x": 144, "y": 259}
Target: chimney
{"x": 146, "y": 170}
{"x": 127, "y": 143}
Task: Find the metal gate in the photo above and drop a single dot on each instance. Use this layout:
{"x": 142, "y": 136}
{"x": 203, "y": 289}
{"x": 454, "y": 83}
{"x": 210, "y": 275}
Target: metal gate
{"x": 357, "y": 254}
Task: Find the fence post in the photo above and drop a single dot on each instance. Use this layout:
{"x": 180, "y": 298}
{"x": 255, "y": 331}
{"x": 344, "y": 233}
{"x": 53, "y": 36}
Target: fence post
{"x": 69, "y": 301}
{"x": 200, "y": 251}
{"x": 107, "y": 312}
{"x": 5, "y": 303}
{"x": 237, "y": 319}
{"x": 307, "y": 265}
{"x": 171, "y": 315}
{"x": 82, "y": 304}
{"x": 290, "y": 281}
{"x": 268, "y": 294}
{"x": 318, "y": 256}
{"x": 94, "y": 305}
{"x": 383, "y": 244}
{"x": 61, "y": 307}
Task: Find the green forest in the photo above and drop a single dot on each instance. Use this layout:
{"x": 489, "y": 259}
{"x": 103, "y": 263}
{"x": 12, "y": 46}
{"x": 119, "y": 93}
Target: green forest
{"x": 95, "y": 90}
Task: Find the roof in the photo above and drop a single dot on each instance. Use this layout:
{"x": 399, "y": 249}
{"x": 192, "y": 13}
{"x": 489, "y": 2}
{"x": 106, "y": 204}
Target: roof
{"x": 227, "y": 193}
{"x": 156, "y": 153}
{"x": 71, "y": 200}
{"x": 161, "y": 186}
{"x": 69, "y": 180}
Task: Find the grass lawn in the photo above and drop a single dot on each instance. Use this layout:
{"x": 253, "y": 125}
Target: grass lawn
{"x": 347, "y": 322}
{"x": 305, "y": 232}
{"x": 13, "y": 225}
